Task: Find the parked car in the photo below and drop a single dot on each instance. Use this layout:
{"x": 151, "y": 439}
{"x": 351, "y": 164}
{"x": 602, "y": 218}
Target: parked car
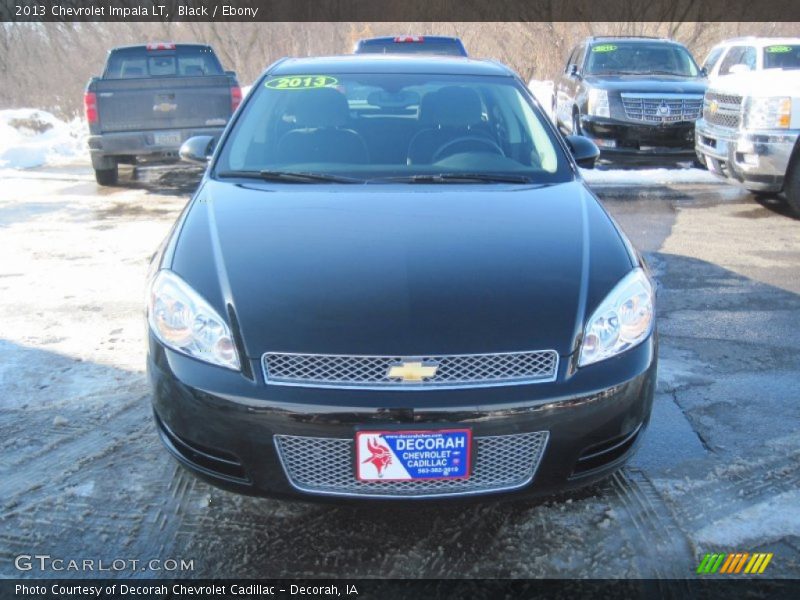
{"x": 412, "y": 44}
{"x": 393, "y": 283}
{"x": 741, "y": 55}
{"x": 150, "y": 99}
{"x": 634, "y": 97}
{"x": 749, "y": 131}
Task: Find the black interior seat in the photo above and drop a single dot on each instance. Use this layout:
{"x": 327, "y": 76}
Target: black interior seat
{"x": 321, "y": 130}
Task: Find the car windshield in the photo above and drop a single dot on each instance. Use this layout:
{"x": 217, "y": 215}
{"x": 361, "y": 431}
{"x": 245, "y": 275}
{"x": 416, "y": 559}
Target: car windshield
{"x": 392, "y": 127}
{"x": 782, "y": 56}
{"x": 640, "y": 58}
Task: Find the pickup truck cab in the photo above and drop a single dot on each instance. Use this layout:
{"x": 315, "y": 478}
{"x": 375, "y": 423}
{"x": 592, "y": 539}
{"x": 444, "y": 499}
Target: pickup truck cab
{"x": 150, "y": 99}
{"x": 741, "y": 55}
{"x": 412, "y": 44}
{"x": 635, "y": 97}
{"x": 749, "y": 131}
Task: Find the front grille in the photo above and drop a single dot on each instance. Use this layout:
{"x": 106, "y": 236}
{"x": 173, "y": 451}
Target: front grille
{"x": 723, "y": 110}
{"x": 471, "y": 370}
{"x": 660, "y": 108}
{"x": 326, "y": 466}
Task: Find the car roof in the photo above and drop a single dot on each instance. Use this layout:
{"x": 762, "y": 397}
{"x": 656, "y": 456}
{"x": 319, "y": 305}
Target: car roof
{"x": 176, "y": 44}
{"x": 635, "y": 39}
{"x": 424, "y": 38}
{"x": 390, "y": 63}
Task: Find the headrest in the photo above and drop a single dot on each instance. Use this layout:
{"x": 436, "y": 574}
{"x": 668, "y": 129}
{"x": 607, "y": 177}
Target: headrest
{"x": 456, "y": 106}
{"x": 320, "y": 107}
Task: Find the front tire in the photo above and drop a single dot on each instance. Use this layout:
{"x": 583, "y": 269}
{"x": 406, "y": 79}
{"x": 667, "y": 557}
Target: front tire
{"x": 792, "y": 186}
{"x": 107, "y": 176}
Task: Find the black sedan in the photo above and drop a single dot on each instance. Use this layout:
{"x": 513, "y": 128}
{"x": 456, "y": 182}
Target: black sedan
{"x": 392, "y": 283}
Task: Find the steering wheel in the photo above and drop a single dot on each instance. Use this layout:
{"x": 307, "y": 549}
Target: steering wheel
{"x": 473, "y": 139}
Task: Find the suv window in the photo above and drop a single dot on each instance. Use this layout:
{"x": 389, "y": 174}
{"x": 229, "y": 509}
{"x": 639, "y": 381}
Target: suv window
{"x": 738, "y": 55}
{"x": 640, "y": 58}
{"x": 712, "y": 59}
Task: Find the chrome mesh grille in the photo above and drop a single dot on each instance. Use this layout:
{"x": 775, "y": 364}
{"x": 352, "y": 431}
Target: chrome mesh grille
{"x": 326, "y": 466}
{"x": 727, "y": 109}
{"x": 331, "y": 370}
{"x": 653, "y": 108}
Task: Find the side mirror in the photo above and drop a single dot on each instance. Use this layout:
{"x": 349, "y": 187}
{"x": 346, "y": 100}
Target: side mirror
{"x": 198, "y": 148}
{"x": 573, "y": 71}
{"x": 230, "y": 73}
{"x": 704, "y": 71}
{"x": 584, "y": 150}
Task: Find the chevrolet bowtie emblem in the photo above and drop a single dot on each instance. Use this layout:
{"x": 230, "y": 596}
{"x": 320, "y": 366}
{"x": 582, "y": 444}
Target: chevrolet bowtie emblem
{"x": 410, "y": 371}
{"x": 713, "y": 106}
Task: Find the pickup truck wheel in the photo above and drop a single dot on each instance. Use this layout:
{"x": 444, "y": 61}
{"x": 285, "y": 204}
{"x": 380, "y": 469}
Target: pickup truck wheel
{"x": 107, "y": 176}
{"x": 792, "y": 186}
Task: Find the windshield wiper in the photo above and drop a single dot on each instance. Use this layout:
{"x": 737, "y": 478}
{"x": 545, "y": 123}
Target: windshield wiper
{"x": 290, "y": 176}
{"x": 673, "y": 73}
{"x": 460, "y": 178}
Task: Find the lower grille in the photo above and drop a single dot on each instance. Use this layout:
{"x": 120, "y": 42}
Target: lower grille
{"x": 326, "y": 466}
{"x": 656, "y": 108}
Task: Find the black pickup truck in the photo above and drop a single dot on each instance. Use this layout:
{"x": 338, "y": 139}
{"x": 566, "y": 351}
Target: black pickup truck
{"x": 150, "y": 99}
{"x": 636, "y": 98}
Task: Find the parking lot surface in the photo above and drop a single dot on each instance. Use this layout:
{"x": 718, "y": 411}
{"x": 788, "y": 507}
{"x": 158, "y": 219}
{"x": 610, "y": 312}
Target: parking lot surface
{"x": 83, "y": 474}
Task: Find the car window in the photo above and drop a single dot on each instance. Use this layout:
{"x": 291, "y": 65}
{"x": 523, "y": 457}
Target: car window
{"x": 619, "y": 57}
{"x": 132, "y": 63}
{"x": 782, "y": 56}
{"x": 571, "y": 59}
{"x": 738, "y": 55}
{"x": 712, "y": 58}
{"x": 375, "y": 126}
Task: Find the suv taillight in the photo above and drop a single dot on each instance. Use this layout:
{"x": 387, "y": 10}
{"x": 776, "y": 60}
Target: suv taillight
{"x": 90, "y": 106}
{"x": 236, "y": 97}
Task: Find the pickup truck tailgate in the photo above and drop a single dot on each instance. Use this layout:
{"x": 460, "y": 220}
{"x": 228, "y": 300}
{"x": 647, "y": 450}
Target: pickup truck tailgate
{"x": 163, "y": 103}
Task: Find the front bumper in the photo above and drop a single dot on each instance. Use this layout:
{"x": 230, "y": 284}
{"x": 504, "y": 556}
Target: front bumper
{"x": 635, "y": 139}
{"x": 756, "y": 159}
{"x": 145, "y": 144}
{"x": 223, "y": 426}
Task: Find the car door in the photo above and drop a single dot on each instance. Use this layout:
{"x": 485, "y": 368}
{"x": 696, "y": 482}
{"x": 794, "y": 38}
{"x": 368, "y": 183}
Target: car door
{"x": 568, "y": 87}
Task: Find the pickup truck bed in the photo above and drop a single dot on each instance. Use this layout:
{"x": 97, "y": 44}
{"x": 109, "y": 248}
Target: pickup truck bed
{"x": 137, "y": 116}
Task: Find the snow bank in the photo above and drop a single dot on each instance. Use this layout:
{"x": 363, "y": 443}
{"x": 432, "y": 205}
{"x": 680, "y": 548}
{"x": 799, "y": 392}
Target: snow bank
{"x": 543, "y": 91}
{"x": 32, "y": 138}
{"x": 647, "y": 176}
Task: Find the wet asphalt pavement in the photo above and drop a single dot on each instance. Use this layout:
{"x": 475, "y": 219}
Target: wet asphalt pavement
{"x": 83, "y": 475}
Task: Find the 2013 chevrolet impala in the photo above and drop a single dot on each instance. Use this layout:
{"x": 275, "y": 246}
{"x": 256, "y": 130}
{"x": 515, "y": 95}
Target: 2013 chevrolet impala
{"x": 392, "y": 283}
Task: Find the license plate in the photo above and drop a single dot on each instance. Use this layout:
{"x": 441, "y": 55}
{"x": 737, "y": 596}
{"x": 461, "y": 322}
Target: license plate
{"x": 167, "y": 139}
{"x": 409, "y": 455}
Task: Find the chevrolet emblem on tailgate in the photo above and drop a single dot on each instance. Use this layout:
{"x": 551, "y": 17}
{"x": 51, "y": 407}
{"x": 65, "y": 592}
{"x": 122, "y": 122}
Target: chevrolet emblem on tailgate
{"x": 412, "y": 371}
{"x": 164, "y": 107}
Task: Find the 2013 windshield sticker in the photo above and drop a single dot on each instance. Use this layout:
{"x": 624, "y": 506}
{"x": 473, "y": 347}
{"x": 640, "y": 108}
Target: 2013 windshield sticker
{"x": 301, "y": 82}
{"x": 604, "y": 48}
{"x": 778, "y": 49}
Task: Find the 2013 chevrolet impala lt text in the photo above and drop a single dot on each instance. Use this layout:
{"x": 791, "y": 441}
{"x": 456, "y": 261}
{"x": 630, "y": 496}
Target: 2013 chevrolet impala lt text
{"x": 392, "y": 283}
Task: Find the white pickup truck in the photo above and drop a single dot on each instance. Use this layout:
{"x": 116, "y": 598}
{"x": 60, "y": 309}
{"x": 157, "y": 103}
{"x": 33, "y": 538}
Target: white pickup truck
{"x": 749, "y": 131}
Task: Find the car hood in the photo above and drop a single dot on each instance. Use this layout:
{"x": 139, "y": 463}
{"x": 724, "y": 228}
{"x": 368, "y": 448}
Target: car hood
{"x": 401, "y": 269}
{"x": 667, "y": 84}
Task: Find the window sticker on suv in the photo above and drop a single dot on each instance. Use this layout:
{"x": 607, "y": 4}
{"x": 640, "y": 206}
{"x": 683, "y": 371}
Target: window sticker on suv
{"x": 604, "y": 48}
{"x": 301, "y": 82}
{"x": 778, "y": 49}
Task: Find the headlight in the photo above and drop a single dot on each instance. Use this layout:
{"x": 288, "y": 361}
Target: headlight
{"x": 598, "y": 103}
{"x": 185, "y": 322}
{"x": 768, "y": 113}
{"x": 623, "y": 319}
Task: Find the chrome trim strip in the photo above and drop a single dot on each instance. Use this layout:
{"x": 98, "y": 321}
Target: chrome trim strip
{"x": 400, "y": 386}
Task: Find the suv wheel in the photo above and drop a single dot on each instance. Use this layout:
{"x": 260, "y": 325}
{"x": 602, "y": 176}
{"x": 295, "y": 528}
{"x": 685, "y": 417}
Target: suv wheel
{"x": 792, "y": 185}
{"x": 107, "y": 176}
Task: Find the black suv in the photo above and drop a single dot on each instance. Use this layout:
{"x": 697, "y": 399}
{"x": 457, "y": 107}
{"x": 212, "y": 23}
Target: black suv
{"x": 635, "y": 97}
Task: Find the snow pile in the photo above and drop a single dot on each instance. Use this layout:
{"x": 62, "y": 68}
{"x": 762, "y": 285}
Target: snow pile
{"x": 543, "y": 91}
{"x": 32, "y": 138}
{"x": 647, "y": 176}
